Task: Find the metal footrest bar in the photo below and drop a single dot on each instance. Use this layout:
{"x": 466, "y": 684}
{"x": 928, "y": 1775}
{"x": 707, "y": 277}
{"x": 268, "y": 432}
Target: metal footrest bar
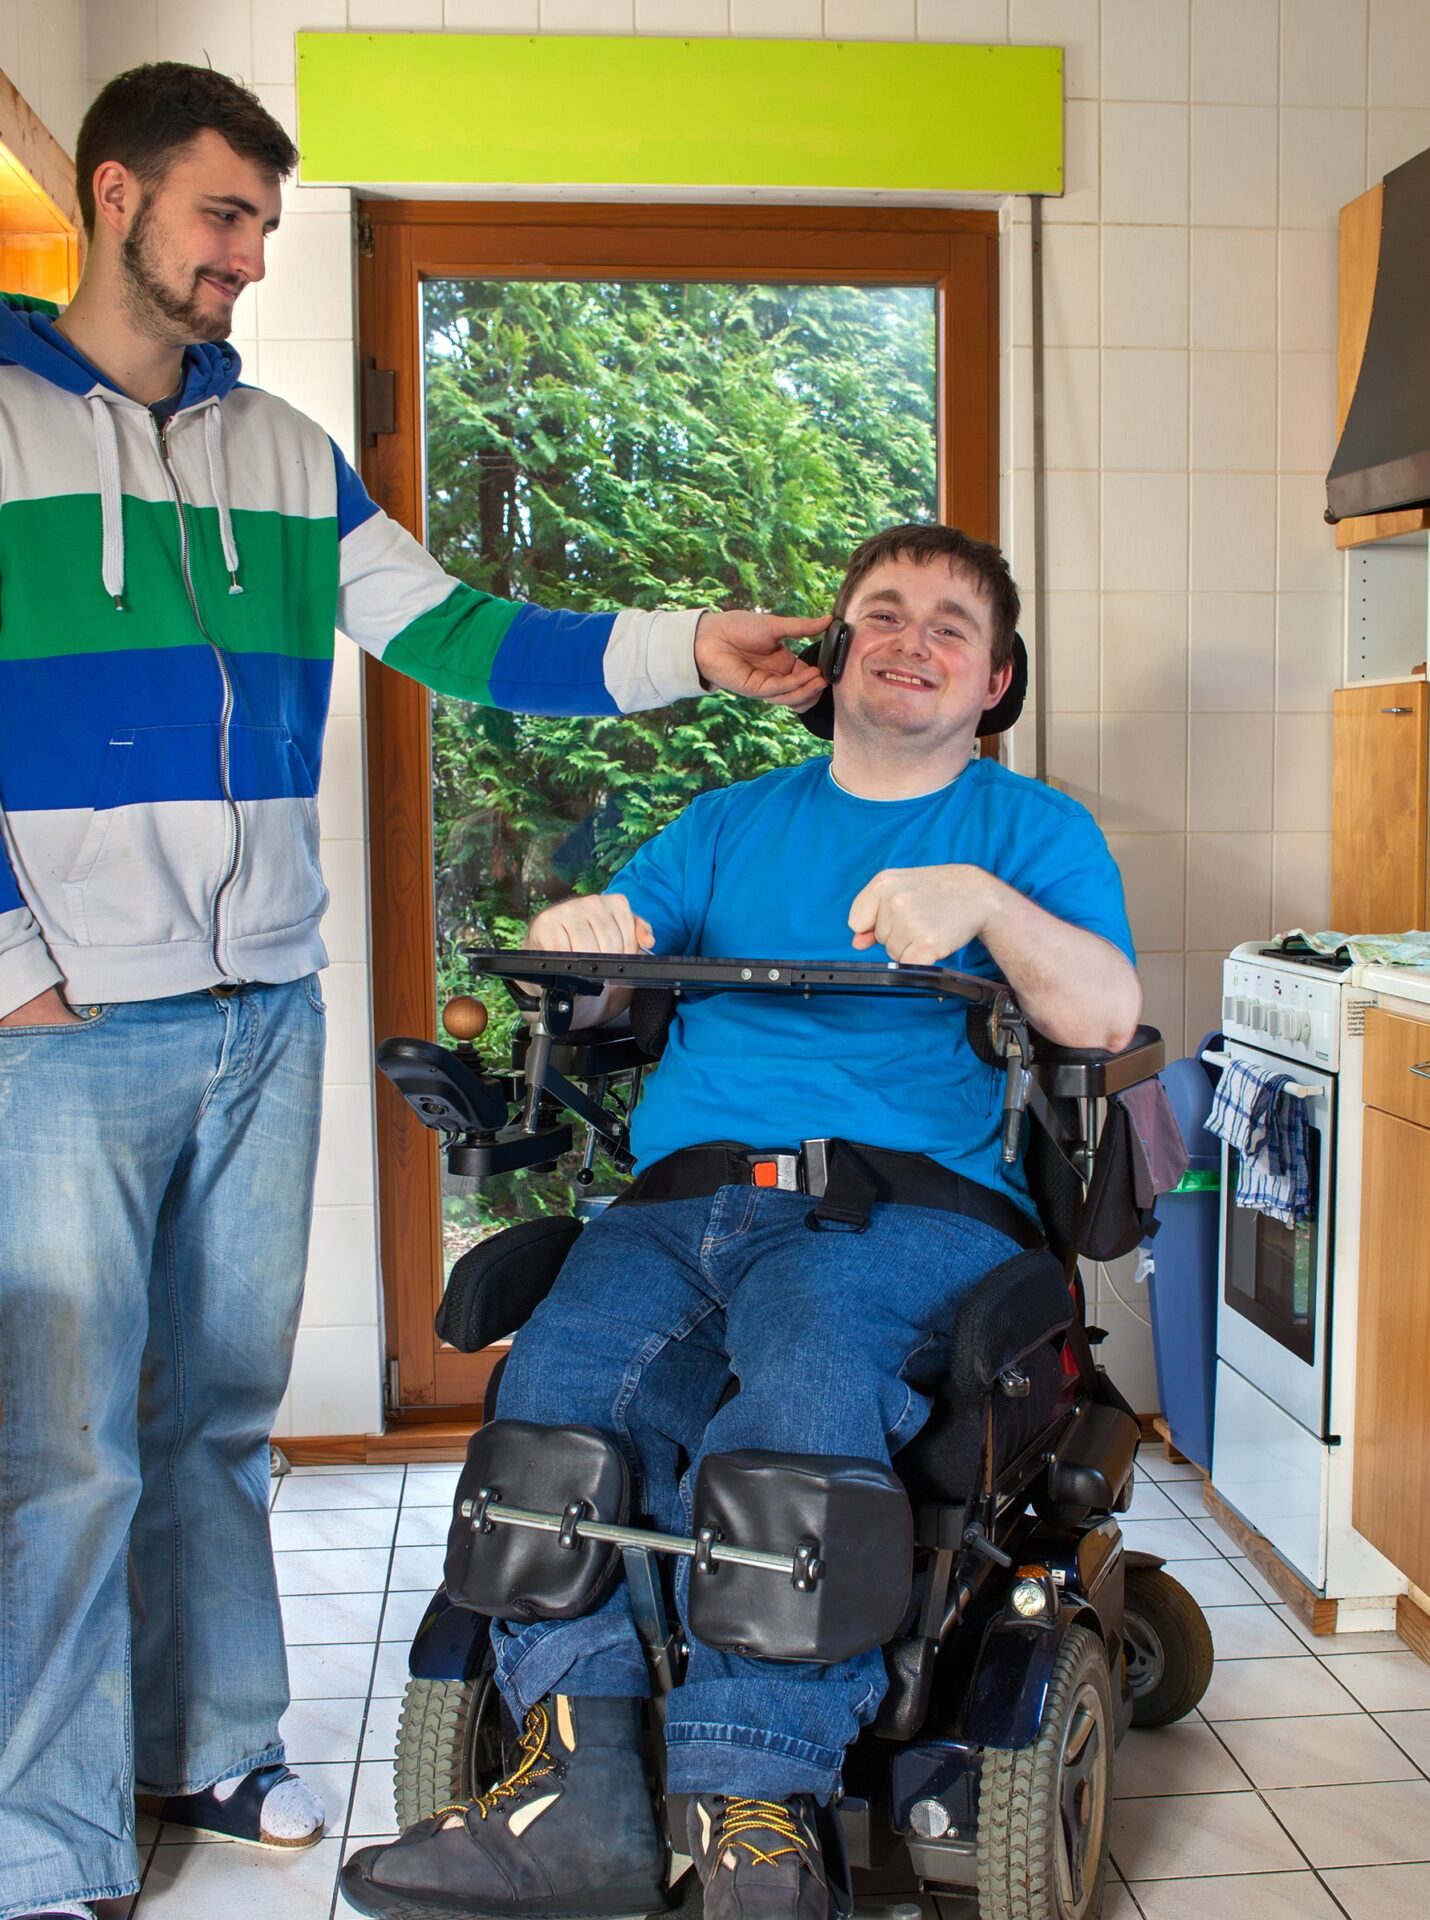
{"x": 803, "y": 1567}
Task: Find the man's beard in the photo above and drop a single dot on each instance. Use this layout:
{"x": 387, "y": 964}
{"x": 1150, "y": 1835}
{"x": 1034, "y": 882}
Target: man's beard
{"x": 168, "y": 316}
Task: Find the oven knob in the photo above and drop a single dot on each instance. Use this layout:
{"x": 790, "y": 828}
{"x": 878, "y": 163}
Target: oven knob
{"x": 1273, "y": 1021}
{"x": 1257, "y": 1022}
{"x": 1295, "y": 1024}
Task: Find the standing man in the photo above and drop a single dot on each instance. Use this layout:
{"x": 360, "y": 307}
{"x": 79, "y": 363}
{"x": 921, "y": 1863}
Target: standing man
{"x": 175, "y": 550}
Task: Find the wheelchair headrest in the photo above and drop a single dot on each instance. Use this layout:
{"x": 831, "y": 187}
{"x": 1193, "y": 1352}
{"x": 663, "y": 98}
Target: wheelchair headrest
{"x": 820, "y": 717}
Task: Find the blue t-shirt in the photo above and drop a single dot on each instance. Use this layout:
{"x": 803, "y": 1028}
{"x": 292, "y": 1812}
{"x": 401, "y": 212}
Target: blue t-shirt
{"x": 770, "y": 868}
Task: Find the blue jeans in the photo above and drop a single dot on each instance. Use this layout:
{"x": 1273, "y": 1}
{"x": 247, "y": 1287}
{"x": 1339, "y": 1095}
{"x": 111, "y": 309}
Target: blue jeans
{"x": 156, "y": 1176}
{"x": 837, "y": 1340}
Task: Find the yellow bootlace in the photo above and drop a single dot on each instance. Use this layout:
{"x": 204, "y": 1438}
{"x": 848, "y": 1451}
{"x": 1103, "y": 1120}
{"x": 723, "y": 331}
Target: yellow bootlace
{"x": 535, "y": 1764}
{"x": 742, "y": 1817}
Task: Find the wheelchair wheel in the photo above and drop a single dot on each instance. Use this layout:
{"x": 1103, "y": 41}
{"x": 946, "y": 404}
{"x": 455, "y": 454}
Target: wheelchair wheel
{"x": 448, "y": 1745}
{"x": 1044, "y": 1812}
{"x": 1169, "y": 1647}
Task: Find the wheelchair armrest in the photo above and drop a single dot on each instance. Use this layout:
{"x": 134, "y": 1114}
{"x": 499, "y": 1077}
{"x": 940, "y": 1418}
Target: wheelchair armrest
{"x": 1093, "y": 1073}
{"x": 590, "y": 1053}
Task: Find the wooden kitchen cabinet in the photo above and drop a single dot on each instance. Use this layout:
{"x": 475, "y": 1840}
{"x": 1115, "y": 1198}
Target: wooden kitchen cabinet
{"x": 1380, "y": 788}
{"x": 1391, "y": 1497}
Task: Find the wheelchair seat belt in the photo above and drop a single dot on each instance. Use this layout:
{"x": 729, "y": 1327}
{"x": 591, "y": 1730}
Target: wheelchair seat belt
{"x": 845, "y": 1177}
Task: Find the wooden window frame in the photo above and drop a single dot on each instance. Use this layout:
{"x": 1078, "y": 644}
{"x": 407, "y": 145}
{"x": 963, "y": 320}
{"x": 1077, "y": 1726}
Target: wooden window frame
{"x": 405, "y": 242}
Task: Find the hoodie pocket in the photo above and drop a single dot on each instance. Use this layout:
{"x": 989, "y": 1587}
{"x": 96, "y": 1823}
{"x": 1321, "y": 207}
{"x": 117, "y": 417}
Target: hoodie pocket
{"x": 279, "y": 886}
{"x": 151, "y": 855}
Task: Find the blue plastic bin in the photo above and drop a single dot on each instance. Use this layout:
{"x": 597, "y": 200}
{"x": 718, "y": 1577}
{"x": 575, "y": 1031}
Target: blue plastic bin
{"x": 1182, "y": 1272}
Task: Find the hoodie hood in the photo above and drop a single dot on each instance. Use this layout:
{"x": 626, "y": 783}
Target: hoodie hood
{"x": 29, "y": 339}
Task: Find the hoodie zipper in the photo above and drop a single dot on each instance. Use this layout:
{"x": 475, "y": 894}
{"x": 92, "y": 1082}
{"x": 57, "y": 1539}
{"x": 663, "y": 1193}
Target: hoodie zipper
{"x": 235, "y": 817}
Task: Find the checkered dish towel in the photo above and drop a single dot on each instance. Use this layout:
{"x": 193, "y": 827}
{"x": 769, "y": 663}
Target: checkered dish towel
{"x": 1268, "y": 1129}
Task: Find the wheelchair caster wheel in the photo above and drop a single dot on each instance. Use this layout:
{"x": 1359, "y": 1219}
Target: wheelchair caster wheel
{"x": 1169, "y": 1647}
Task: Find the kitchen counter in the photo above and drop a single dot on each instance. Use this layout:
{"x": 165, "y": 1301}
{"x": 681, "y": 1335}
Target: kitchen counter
{"x": 1400, "y": 983}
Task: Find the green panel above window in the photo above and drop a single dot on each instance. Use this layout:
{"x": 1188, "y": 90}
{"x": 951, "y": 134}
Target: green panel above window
{"x": 852, "y": 116}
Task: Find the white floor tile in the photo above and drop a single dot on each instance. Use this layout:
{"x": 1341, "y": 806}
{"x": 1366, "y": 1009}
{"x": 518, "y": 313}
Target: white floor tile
{"x": 1218, "y": 1536}
{"x": 403, "y": 1614}
{"x": 1188, "y": 1497}
{"x": 1411, "y": 1731}
{"x": 1177, "y": 1539}
{"x": 373, "y": 1810}
{"x": 390, "y": 1675}
{"x": 321, "y": 1730}
{"x": 431, "y": 1486}
{"x": 417, "y": 1568}
{"x": 1212, "y": 1583}
{"x": 371, "y": 1487}
{"x": 1186, "y": 1758}
{"x": 1149, "y": 1502}
{"x": 1383, "y": 1893}
{"x": 238, "y": 1883}
{"x": 1272, "y": 1690}
{"x": 1251, "y": 1633}
{"x": 1322, "y": 1751}
{"x": 379, "y": 1738}
{"x": 1163, "y": 1839}
{"x": 1118, "y": 1904}
{"x": 424, "y": 1526}
{"x": 1151, "y": 1458}
{"x": 304, "y": 1531}
{"x": 1384, "y": 1682}
{"x": 1260, "y": 1896}
{"x": 1381, "y": 1825}
{"x": 1255, "y": 1579}
{"x": 326, "y": 1672}
{"x": 312, "y": 1618}
{"x": 322, "y": 1570}
{"x": 1338, "y": 1643}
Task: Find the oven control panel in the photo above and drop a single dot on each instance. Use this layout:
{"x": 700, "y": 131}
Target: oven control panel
{"x": 1282, "y": 1011}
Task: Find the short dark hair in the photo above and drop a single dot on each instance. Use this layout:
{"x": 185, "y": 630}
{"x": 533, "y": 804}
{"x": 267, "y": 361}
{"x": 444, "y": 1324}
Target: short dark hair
{"x": 143, "y": 117}
{"x": 923, "y": 541}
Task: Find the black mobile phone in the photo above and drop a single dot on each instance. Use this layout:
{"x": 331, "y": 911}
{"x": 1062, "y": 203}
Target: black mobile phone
{"x": 834, "y": 649}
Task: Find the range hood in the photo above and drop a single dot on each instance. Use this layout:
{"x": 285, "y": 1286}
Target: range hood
{"x": 1383, "y": 460}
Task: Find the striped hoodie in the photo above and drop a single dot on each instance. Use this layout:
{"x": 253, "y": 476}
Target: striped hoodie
{"x": 168, "y": 599}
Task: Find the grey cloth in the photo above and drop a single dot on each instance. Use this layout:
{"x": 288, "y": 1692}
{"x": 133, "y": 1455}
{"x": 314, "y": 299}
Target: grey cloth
{"x": 1160, "y": 1156}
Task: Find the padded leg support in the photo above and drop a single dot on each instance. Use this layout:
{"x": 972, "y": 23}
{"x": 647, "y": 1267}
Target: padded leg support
{"x": 836, "y": 1519}
{"x": 519, "y": 1573}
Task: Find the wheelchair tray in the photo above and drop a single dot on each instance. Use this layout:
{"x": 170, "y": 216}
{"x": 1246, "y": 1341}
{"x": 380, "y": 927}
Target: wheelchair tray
{"x": 583, "y": 973}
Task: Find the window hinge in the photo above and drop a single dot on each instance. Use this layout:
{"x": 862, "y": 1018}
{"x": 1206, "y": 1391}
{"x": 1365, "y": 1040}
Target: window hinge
{"x": 379, "y": 401}
{"x": 364, "y": 235}
{"x": 392, "y": 1394}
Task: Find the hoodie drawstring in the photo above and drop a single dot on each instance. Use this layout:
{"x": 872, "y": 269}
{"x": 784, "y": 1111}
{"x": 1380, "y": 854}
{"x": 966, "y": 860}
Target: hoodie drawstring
{"x": 213, "y": 441}
{"x": 111, "y": 500}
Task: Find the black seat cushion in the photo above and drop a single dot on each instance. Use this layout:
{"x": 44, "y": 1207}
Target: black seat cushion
{"x": 497, "y": 1285}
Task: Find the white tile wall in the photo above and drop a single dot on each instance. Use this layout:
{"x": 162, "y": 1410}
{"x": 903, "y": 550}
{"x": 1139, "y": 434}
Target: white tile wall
{"x": 1234, "y": 46}
{"x": 1234, "y": 287}
{"x": 1190, "y": 321}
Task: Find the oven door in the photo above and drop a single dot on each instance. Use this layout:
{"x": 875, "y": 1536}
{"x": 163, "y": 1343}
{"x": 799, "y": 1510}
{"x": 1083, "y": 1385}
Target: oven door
{"x": 1273, "y": 1316}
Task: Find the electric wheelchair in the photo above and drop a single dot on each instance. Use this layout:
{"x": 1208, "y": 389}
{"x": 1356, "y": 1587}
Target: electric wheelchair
{"x": 1020, "y": 1635}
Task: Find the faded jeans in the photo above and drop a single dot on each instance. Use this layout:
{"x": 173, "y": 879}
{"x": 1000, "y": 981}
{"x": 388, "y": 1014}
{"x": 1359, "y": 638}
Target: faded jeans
{"x": 837, "y": 1339}
{"x": 156, "y": 1178}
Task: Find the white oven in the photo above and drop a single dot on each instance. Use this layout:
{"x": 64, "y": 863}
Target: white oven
{"x": 1275, "y": 1281}
{"x": 1286, "y": 1307}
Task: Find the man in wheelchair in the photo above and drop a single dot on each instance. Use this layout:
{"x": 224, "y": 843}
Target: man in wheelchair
{"x": 824, "y": 1281}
